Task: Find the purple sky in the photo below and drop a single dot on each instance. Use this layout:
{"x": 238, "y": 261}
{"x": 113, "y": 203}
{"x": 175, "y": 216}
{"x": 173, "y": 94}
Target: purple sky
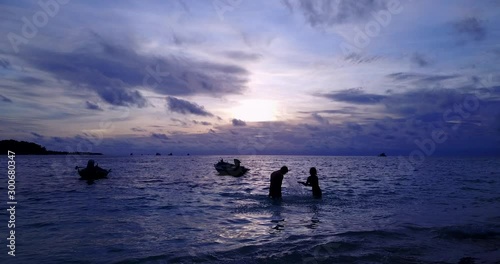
{"x": 252, "y": 77}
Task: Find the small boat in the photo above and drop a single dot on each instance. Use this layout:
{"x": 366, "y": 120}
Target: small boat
{"x": 226, "y": 168}
{"x": 382, "y": 154}
{"x": 92, "y": 172}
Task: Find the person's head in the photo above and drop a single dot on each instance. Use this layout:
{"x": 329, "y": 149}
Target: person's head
{"x": 284, "y": 169}
{"x": 313, "y": 171}
{"x": 90, "y": 164}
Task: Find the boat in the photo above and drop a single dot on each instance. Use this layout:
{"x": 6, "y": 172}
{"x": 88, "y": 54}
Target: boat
{"x": 382, "y": 154}
{"x": 92, "y": 172}
{"x": 226, "y": 168}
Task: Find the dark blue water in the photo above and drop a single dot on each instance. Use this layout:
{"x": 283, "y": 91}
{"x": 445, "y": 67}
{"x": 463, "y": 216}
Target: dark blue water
{"x": 178, "y": 210}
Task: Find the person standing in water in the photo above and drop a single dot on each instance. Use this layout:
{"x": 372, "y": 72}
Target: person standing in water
{"x": 314, "y": 182}
{"x": 276, "y": 180}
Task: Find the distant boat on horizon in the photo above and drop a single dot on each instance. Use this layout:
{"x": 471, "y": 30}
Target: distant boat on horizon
{"x": 382, "y": 154}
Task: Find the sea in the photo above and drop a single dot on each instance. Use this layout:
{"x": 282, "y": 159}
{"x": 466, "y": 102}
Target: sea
{"x": 177, "y": 209}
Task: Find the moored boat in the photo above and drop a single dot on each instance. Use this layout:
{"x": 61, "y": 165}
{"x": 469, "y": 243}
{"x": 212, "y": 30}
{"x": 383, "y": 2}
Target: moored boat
{"x": 226, "y": 168}
{"x": 92, "y": 172}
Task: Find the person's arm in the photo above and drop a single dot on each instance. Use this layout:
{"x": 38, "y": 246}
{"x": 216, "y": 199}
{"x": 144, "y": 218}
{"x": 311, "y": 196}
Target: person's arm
{"x": 308, "y": 182}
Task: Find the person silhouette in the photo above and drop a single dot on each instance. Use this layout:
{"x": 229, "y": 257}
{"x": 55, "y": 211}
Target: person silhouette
{"x": 276, "y": 180}
{"x": 314, "y": 182}
{"x": 91, "y": 167}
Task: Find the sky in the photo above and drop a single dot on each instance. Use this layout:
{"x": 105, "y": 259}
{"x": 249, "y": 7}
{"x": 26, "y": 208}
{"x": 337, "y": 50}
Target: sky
{"x": 240, "y": 77}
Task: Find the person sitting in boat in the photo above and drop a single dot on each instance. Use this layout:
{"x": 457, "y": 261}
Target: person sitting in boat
{"x": 237, "y": 164}
{"x": 314, "y": 182}
{"x": 91, "y": 166}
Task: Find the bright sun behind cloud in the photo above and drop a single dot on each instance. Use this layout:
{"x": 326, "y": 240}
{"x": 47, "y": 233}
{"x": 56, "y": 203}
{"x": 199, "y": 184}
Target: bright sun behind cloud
{"x": 255, "y": 110}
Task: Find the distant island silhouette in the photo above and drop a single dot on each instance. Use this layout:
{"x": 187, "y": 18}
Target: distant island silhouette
{"x": 30, "y": 148}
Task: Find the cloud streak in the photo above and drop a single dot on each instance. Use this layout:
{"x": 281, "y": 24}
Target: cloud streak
{"x": 5, "y": 99}
{"x": 354, "y": 96}
{"x": 92, "y": 106}
{"x": 185, "y": 107}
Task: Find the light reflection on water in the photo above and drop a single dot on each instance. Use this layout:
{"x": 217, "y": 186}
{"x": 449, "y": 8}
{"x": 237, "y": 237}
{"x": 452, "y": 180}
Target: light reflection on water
{"x": 179, "y": 209}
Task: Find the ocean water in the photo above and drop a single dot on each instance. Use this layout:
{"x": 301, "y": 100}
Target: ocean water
{"x": 170, "y": 209}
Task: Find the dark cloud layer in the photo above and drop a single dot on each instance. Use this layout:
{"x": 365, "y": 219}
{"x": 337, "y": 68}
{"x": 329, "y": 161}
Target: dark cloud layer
{"x": 355, "y": 96}
{"x": 185, "y": 107}
{"x": 115, "y": 72}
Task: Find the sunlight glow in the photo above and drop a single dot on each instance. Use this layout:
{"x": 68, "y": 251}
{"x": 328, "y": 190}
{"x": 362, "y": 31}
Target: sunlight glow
{"x": 255, "y": 110}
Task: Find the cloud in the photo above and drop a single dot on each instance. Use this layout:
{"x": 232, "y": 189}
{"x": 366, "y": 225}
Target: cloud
{"x": 28, "y": 80}
{"x": 320, "y": 119}
{"x": 92, "y": 106}
{"x": 354, "y": 96}
{"x": 287, "y": 4}
{"x": 159, "y": 136}
{"x": 319, "y": 13}
{"x": 347, "y": 110}
{"x": 204, "y": 123}
{"x": 185, "y": 107}
{"x": 420, "y": 79}
{"x": 36, "y": 135}
{"x": 4, "y": 63}
{"x": 138, "y": 129}
{"x": 237, "y": 122}
{"x": 356, "y": 58}
{"x": 354, "y": 126}
{"x": 116, "y": 72}
{"x": 470, "y": 27}
{"x": 420, "y": 60}
{"x": 427, "y": 105}
{"x": 243, "y": 56}
{"x": 5, "y": 99}
{"x": 182, "y": 123}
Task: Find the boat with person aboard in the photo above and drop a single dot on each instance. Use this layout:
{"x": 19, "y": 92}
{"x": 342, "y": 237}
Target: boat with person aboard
{"x": 226, "y": 168}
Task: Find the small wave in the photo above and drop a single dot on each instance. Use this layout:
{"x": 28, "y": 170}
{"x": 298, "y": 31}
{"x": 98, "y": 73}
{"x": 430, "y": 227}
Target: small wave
{"x": 370, "y": 180}
{"x": 41, "y": 224}
{"x": 466, "y": 188}
{"x": 373, "y": 233}
{"x": 413, "y": 227}
{"x": 167, "y": 207}
{"x": 461, "y": 233}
